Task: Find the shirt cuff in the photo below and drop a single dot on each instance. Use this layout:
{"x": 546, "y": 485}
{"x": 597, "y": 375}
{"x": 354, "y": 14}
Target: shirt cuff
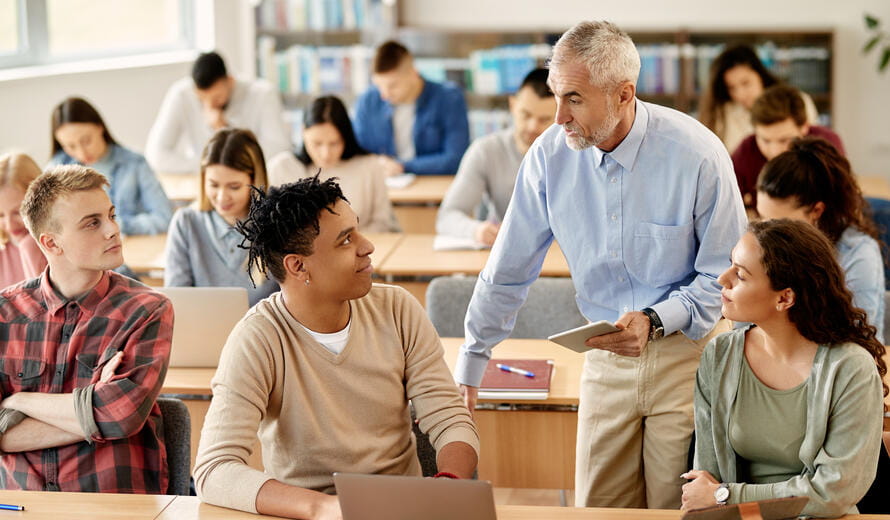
{"x": 673, "y": 315}
{"x": 9, "y": 418}
{"x": 470, "y": 367}
{"x": 83, "y": 409}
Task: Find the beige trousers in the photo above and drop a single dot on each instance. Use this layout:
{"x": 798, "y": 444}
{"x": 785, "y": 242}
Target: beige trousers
{"x": 635, "y": 424}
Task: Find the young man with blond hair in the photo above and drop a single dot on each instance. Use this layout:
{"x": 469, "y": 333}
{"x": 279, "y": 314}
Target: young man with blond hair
{"x": 84, "y": 352}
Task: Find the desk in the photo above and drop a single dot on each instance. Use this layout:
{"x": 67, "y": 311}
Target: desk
{"x": 51, "y": 506}
{"x": 534, "y": 446}
{"x": 545, "y": 437}
{"x": 46, "y": 505}
{"x": 144, "y": 254}
{"x": 181, "y": 188}
{"x": 414, "y": 256}
{"x": 873, "y": 186}
{"x": 416, "y": 206}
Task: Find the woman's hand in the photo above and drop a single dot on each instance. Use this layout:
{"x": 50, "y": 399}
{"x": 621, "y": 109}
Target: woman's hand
{"x": 699, "y": 491}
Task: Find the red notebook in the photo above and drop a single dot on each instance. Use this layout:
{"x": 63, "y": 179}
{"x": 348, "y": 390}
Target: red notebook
{"x": 500, "y": 384}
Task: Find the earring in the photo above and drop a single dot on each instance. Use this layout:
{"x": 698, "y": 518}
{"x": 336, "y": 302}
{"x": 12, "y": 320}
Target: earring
{"x": 778, "y": 307}
{"x": 307, "y": 282}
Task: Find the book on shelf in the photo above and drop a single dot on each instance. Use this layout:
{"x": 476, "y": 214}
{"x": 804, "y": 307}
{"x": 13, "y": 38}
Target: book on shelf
{"x": 502, "y": 384}
{"x": 318, "y": 15}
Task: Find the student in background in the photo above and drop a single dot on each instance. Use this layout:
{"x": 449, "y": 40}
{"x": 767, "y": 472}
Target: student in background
{"x": 812, "y": 182}
{"x": 791, "y": 405}
{"x": 80, "y": 137}
{"x": 779, "y": 117}
{"x": 195, "y": 107}
{"x": 488, "y": 170}
{"x": 20, "y": 257}
{"x": 329, "y": 145}
{"x": 324, "y": 369}
{"x": 85, "y": 351}
{"x": 203, "y": 244}
{"x": 737, "y": 79}
{"x": 417, "y": 126}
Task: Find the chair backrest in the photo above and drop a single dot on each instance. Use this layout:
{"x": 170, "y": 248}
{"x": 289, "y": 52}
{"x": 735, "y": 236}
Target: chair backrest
{"x": 549, "y": 308}
{"x": 177, "y": 438}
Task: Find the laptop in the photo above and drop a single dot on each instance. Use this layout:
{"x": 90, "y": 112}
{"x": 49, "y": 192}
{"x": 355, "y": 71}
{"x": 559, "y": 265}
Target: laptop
{"x": 386, "y": 497}
{"x": 204, "y": 317}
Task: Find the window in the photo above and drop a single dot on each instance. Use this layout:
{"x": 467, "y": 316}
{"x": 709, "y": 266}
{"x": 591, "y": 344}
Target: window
{"x": 36, "y": 32}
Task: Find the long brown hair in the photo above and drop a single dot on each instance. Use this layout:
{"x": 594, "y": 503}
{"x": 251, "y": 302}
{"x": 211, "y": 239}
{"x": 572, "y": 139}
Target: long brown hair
{"x": 716, "y": 95}
{"x": 76, "y": 110}
{"x": 799, "y": 257}
{"x": 19, "y": 170}
{"x": 811, "y": 171}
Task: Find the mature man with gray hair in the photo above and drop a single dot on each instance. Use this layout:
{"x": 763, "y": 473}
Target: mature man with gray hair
{"x": 643, "y": 202}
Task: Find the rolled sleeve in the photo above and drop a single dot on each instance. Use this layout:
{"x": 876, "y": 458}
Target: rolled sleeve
{"x": 121, "y": 406}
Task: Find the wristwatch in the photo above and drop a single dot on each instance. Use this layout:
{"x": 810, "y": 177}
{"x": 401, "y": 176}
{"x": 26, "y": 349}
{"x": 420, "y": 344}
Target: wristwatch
{"x": 721, "y": 494}
{"x": 656, "y": 328}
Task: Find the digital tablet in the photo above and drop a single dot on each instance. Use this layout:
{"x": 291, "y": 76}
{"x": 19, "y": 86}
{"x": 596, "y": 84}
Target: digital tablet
{"x": 574, "y": 339}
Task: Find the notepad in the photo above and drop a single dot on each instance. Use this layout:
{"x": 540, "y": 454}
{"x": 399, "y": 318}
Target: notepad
{"x": 400, "y": 181}
{"x": 449, "y": 243}
{"x": 498, "y": 384}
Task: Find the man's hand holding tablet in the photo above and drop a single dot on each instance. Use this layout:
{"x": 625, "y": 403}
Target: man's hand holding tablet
{"x": 626, "y": 337}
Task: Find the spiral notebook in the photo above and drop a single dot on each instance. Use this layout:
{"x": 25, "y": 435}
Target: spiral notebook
{"x": 500, "y": 384}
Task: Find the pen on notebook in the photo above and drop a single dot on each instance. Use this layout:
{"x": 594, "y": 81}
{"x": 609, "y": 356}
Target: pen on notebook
{"x": 508, "y": 368}
{"x": 10, "y": 507}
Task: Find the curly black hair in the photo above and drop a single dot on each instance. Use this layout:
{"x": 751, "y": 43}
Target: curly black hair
{"x": 284, "y": 221}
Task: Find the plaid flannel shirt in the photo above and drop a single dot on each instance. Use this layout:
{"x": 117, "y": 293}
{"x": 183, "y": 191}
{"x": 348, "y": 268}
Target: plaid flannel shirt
{"x": 54, "y": 345}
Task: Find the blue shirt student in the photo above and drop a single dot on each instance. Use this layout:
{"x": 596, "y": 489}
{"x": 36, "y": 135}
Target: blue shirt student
{"x": 649, "y": 224}
{"x": 441, "y": 131}
{"x": 860, "y": 257}
{"x": 140, "y": 203}
{"x": 202, "y": 251}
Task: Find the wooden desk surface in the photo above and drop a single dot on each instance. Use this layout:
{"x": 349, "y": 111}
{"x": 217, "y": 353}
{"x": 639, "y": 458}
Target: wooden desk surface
{"x": 414, "y": 256}
{"x": 144, "y": 253}
{"x": 564, "y": 387}
{"x": 45, "y": 505}
{"x": 873, "y": 186}
{"x": 180, "y": 187}
{"x": 426, "y": 189}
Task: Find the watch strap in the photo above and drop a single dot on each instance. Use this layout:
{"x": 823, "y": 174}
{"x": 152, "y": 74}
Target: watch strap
{"x": 656, "y": 328}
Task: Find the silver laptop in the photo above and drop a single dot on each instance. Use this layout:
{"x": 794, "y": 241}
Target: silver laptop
{"x": 204, "y": 316}
{"x": 386, "y": 497}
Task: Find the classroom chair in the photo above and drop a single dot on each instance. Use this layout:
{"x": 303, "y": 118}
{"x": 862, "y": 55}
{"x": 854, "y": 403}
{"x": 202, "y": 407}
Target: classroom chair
{"x": 550, "y": 307}
{"x": 177, "y": 435}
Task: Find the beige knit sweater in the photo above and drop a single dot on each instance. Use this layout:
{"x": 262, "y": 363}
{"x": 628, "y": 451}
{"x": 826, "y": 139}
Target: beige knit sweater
{"x": 317, "y": 412}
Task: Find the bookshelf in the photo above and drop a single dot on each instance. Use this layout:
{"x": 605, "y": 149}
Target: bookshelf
{"x": 306, "y": 57}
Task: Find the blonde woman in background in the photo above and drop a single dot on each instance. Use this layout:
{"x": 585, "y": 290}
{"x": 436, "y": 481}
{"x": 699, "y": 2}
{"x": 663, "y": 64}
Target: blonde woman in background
{"x": 20, "y": 257}
{"x": 202, "y": 243}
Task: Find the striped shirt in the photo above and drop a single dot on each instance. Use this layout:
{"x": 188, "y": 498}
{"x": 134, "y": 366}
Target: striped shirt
{"x": 51, "y": 344}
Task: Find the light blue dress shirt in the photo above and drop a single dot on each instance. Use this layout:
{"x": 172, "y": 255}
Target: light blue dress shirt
{"x": 860, "y": 258}
{"x": 202, "y": 251}
{"x": 649, "y": 224}
{"x": 140, "y": 203}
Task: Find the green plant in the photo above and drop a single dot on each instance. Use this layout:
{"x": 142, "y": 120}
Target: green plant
{"x": 879, "y": 39}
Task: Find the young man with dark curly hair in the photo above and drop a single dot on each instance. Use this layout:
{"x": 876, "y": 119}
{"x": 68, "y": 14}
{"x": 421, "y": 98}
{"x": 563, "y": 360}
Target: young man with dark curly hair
{"x": 324, "y": 369}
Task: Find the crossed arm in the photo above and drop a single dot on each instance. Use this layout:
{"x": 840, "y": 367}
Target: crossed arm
{"x": 51, "y": 420}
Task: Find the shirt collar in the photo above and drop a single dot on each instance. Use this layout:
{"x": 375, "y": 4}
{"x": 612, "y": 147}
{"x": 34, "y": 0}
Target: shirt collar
{"x": 221, "y": 228}
{"x": 90, "y": 300}
{"x": 627, "y": 150}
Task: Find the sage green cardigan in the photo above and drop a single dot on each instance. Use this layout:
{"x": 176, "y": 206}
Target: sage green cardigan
{"x": 843, "y": 433}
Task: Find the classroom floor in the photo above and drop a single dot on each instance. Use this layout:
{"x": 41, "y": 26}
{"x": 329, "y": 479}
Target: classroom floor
{"x": 532, "y": 497}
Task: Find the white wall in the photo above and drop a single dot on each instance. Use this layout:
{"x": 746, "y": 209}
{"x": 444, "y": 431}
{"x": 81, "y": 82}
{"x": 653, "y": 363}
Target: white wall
{"x": 861, "y": 95}
{"x": 127, "y": 93}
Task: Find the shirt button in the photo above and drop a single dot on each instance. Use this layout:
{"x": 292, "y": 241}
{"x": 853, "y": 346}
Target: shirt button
{"x": 614, "y": 180}
{"x": 614, "y": 216}
{"x": 620, "y": 278}
{"x": 614, "y": 253}
{"x": 21, "y": 374}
